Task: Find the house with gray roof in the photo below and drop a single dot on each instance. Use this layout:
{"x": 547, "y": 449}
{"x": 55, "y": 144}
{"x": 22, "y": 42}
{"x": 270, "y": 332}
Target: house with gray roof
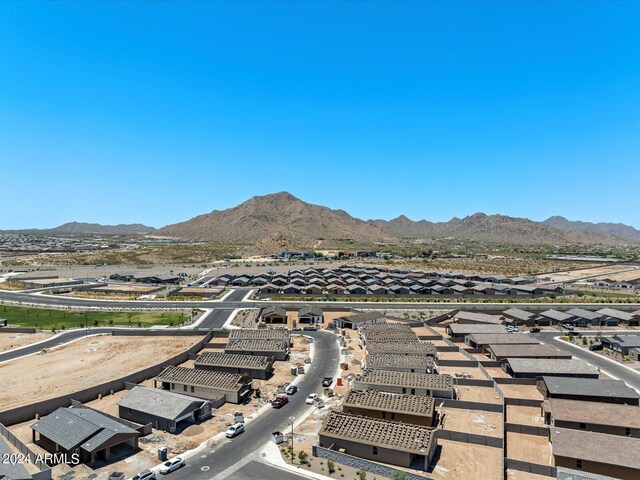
{"x": 165, "y": 410}
{"x": 274, "y": 314}
{"x": 459, "y": 330}
{"x": 584, "y": 318}
{"x": 401, "y": 363}
{"x": 553, "y": 317}
{"x": 587, "y": 389}
{"x": 623, "y": 344}
{"x": 483, "y": 340}
{"x": 538, "y": 367}
{"x": 83, "y": 431}
{"x": 502, "y": 352}
{"x": 619, "y": 316}
{"x": 402, "y": 347}
{"x": 260, "y": 334}
{"x": 310, "y": 314}
{"x": 394, "y": 443}
{"x": 277, "y": 349}
{"x": 519, "y": 316}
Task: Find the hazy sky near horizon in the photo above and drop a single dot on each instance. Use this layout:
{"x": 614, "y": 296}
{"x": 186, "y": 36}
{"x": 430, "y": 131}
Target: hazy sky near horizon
{"x": 116, "y": 112}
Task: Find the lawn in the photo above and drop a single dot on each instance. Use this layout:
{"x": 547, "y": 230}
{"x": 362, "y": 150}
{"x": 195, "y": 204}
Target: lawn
{"x": 47, "y": 319}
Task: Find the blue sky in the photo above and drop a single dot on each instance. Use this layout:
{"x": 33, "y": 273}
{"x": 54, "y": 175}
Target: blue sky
{"x": 119, "y": 112}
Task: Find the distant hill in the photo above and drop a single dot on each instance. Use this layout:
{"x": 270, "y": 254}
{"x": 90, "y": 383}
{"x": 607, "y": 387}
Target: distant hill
{"x": 603, "y": 228}
{"x": 80, "y": 228}
{"x": 490, "y": 228}
{"x": 279, "y": 216}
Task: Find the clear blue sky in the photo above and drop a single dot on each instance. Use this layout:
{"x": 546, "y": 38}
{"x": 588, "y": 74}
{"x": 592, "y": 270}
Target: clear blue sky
{"x": 119, "y": 112}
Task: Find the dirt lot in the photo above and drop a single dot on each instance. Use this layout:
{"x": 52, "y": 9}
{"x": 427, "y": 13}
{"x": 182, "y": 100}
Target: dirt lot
{"x": 497, "y": 372}
{"x": 472, "y": 421}
{"x": 477, "y": 394}
{"x": 521, "y": 391}
{"x": 451, "y": 356}
{"x": 524, "y": 415}
{"x": 462, "y": 372}
{"x": 81, "y": 364}
{"x": 465, "y": 460}
{"x": 565, "y": 276}
{"x": 529, "y": 448}
{"x": 9, "y": 341}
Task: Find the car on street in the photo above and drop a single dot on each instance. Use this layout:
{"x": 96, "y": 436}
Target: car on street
{"x": 171, "y": 465}
{"x": 534, "y": 329}
{"x": 311, "y": 398}
{"x": 596, "y": 346}
{"x": 235, "y": 430}
{"x": 146, "y": 475}
{"x": 327, "y": 381}
{"x": 291, "y": 390}
{"x": 279, "y": 401}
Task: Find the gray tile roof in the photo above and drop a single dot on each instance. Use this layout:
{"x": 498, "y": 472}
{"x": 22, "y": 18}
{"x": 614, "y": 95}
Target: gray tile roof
{"x": 556, "y": 315}
{"x": 582, "y": 313}
{"x": 383, "y": 433}
{"x": 478, "y": 317}
{"x": 382, "y": 360}
{"x": 406, "y": 379}
{"x": 9, "y": 470}
{"x": 571, "y": 474}
{"x": 528, "y": 351}
{"x": 390, "y": 402}
{"x": 467, "y": 328}
{"x": 502, "y": 338}
{"x": 613, "y": 313}
{"x": 259, "y": 334}
{"x": 551, "y": 366}
{"x": 403, "y": 348}
{"x": 257, "y": 345}
{"x": 159, "y": 402}
{"x": 613, "y": 414}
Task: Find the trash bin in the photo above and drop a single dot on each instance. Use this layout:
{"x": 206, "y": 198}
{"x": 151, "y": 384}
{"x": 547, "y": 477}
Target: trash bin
{"x": 238, "y": 417}
{"x": 277, "y": 437}
{"x": 294, "y": 370}
{"x": 162, "y": 454}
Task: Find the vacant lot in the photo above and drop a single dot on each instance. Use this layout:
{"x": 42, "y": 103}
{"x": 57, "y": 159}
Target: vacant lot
{"x": 529, "y": 448}
{"x": 473, "y": 421}
{"x": 9, "y": 341}
{"x": 83, "y": 364}
{"x": 465, "y": 460}
{"x": 47, "y": 319}
{"x": 477, "y": 394}
{"x": 524, "y": 415}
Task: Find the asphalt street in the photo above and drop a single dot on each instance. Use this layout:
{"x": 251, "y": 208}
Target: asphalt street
{"x": 607, "y": 366}
{"x": 231, "y": 452}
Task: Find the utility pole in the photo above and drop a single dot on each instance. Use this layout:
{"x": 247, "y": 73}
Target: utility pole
{"x": 292, "y": 419}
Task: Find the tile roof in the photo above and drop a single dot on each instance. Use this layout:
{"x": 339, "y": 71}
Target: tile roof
{"x": 466, "y": 328}
{"x": 382, "y": 360}
{"x": 202, "y": 378}
{"x": 551, "y": 366}
{"x": 528, "y": 351}
{"x": 613, "y": 313}
{"x": 258, "y": 334}
{"x": 556, "y": 315}
{"x": 614, "y": 450}
{"x": 478, "y": 317}
{"x": 247, "y": 345}
{"x": 11, "y": 470}
{"x": 614, "y": 414}
{"x": 383, "y": 433}
{"x": 403, "y": 348}
{"x": 502, "y": 338}
{"x": 582, "y": 313}
{"x": 233, "y": 360}
{"x": 406, "y": 379}
{"x": 390, "y": 402}
{"x": 594, "y": 387}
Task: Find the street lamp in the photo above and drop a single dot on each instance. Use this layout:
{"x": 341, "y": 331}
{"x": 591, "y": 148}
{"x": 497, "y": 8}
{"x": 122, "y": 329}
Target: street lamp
{"x": 292, "y": 419}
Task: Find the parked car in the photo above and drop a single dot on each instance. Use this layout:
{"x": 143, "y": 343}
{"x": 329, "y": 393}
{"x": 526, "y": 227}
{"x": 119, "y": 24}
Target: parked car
{"x": 596, "y": 346}
{"x": 534, "y": 329}
{"x": 291, "y": 390}
{"x": 568, "y": 326}
{"x": 171, "y": 465}
{"x": 279, "y": 401}
{"x": 311, "y": 398}
{"x": 327, "y": 381}
{"x": 146, "y": 475}
{"x": 235, "y": 430}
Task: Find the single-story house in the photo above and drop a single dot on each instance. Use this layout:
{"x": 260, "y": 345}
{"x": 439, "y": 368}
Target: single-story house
{"x": 588, "y": 389}
{"x": 278, "y": 349}
{"x": 256, "y": 366}
{"x": 431, "y": 385}
{"x": 211, "y": 385}
{"x": 401, "y": 363}
{"x": 503, "y": 352}
{"x": 538, "y": 367}
{"x": 413, "y": 409}
{"x": 273, "y": 315}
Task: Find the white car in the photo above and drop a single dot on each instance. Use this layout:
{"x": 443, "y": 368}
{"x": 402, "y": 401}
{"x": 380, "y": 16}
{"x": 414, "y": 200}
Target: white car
{"x": 311, "y": 398}
{"x": 171, "y": 465}
{"x": 234, "y": 430}
{"x": 146, "y": 475}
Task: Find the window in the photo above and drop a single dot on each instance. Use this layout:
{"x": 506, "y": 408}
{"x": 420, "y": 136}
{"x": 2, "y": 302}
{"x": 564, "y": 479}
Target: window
{"x": 627, "y": 432}
{"x": 404, "y": 390}
{"x": 185, "y": 388}
{"x": 413, "y": 391}
{"x": 192, "y": 389}
{"x": 579, "y": 463}
{"x": 384, "y": 414}
{"x": 583, "y": 426}
{"x": 375, "y": 450}
{"x": 393, "y": 416}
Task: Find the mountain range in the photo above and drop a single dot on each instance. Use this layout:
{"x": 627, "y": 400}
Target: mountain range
{"x": 280, "y": 220}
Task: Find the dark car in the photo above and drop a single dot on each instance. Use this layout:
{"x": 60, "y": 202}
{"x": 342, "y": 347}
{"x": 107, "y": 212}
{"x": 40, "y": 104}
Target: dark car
{"x": 279, "y": 401}
{"x": 534, "y": 329}
{"x": 327, "y": 381}
{"x": 291, "y": 390}
{"x": 596, "y": 346}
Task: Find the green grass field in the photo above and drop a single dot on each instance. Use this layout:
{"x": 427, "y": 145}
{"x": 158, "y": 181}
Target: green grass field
{"x": 46, "y": 319}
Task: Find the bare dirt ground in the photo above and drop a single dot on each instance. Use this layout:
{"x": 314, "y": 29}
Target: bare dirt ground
{"x": 566, "y": 276}
{"x": 497, "y": 372}
{"x": 9, "y": 341}
{"x": 529, "y": 448}
{"x": 465, "y": 460}
{"x": 451, "y": 356}
{"x": 521, "y": 391}
{"x": 477, "y": 394}
{"x": 472, "y": 421}
{"x": 524, "y": 415}
{"x": 462, "y": 372}
{"x": 246, "y": 318}
{"x": 81, "y": 364}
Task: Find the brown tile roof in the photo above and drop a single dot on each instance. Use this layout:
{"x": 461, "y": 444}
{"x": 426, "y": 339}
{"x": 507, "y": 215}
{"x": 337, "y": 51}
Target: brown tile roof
{"x": 380, "y": 327}
{"x": 390, "y": 402}
{"x": 203, "y": 378}
{"x": 383, "y": 433}
{"x": 257, "y": 345}
{"x": 378, "y": 360}
{"x": 614, "y": 450}
{"x": 527, "y": 351}
{"x": 403, "y": 348}
{"x": 390, "y": 336}
{"x": 233, "y": 360}
{"x": 619, "y": 415}
{"x": 258, "y": 334}
{"x": 406, "y": 379}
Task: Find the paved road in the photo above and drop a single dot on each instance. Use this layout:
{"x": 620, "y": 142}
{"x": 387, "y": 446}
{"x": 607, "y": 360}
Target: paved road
{"x": 234, "y": 301}
{"x": 614, "y": 369}
{"x": 231, "y": 452}
{"x": 254, "y": 470}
